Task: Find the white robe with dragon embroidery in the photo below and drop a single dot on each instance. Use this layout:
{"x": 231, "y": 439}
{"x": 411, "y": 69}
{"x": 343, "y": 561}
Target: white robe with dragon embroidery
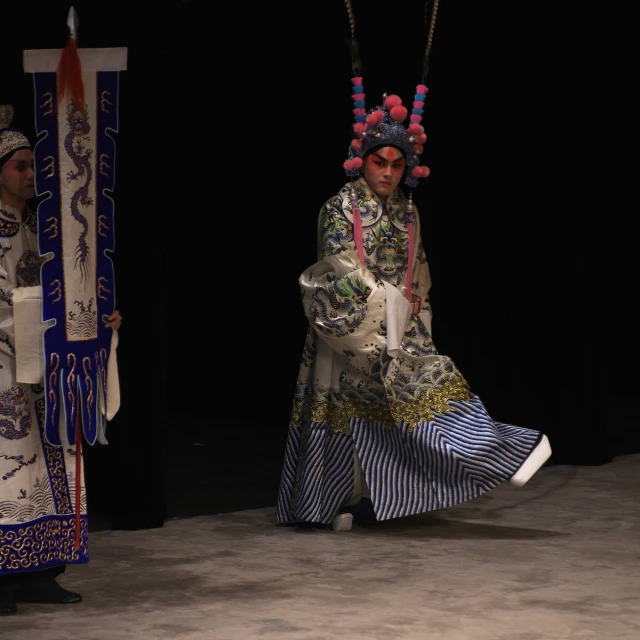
{"x": 373, "y": 391}
{"x": 37, "y": 480}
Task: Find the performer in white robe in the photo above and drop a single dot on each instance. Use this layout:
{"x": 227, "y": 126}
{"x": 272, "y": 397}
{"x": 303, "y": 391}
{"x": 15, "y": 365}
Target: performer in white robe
{"x": 37, "y": 480}
{"x": 378, "y": 412}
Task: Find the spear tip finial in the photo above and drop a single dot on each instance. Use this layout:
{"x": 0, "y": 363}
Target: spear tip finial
{"x": 72, "y": 23}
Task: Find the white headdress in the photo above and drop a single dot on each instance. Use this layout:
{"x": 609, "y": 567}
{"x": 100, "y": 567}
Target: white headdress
{"x": 10, "y": 139}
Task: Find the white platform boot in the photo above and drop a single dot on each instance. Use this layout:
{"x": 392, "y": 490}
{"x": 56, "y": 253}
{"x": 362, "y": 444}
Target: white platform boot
{"x": 342, "y": 522}
{"x": 540, "y": 454}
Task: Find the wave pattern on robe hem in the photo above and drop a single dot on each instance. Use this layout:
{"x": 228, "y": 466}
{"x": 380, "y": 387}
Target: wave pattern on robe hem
{"x": 456, "y": 457}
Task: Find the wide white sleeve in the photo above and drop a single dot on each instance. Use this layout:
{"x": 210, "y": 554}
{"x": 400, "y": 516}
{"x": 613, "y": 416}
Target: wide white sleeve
{"x": 398, "y": 312}
{"x": 29, "y": 334}
{"x": 347, "y": 306}
{"x": 6, "y": 312}
{"x": 113, "y": 379}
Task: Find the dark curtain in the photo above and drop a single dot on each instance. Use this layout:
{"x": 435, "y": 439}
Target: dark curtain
{"x": 234, "y": 127}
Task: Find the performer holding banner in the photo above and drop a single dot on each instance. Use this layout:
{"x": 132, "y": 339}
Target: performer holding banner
{"x": 58, "y": 326}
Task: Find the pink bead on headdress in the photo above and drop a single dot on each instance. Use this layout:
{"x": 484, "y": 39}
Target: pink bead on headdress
{"x": 383, "y": 126}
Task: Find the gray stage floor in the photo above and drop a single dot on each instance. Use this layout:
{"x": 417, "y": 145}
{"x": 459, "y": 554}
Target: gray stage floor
{"x": 558, "y": 559}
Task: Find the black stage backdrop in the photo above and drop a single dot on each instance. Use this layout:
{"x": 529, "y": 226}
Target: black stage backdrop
{"x": 233, "y": 130}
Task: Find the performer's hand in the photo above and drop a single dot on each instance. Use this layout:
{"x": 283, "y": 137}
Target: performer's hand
{"x": 114, "y": 320}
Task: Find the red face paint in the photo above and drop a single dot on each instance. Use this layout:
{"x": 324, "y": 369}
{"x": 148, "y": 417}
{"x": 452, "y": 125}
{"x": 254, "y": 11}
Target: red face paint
{"x": 390, "y": 154}
{"x": 383, "y": 170}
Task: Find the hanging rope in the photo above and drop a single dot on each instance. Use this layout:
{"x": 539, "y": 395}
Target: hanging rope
{"x": 356, "y": 64}
{"x": 431, "y": 23}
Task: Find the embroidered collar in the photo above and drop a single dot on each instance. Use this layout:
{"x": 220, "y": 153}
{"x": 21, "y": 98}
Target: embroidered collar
{"x": 372, "y": 206}
{"x": 365, "y": 192}
{"x": 11, "y": 218}
{"x": 9, "y": 214}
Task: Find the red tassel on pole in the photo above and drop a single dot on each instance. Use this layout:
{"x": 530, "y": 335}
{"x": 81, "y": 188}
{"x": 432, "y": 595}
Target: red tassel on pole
{"x": 70, "y": 75}
{"x": 77, "y": 538}
{"x": 70, "y": 68}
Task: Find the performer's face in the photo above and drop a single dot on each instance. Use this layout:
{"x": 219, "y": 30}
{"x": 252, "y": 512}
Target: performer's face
{"x": 16, "y": 179}
{"x": 383, "y": 169}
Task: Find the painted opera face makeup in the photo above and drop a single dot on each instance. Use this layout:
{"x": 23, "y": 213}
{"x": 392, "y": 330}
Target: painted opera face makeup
{"x": 17, "y": 179}
{"x": 383, "y": 169}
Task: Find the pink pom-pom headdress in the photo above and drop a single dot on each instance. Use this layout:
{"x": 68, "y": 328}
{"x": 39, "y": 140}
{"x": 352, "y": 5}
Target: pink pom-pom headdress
{"x": 384, "y": 125}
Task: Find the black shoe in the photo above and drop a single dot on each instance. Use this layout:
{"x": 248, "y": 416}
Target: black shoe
{"x": 7, "y": 602}
{"x": 305, "y": 526}
{"x": 363, "y": 512}
{"x": 45, "y": 591}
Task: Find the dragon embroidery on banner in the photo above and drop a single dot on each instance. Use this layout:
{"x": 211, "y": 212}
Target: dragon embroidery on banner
{"x": 79, "y": 128}
{"x": 74, "y": 171}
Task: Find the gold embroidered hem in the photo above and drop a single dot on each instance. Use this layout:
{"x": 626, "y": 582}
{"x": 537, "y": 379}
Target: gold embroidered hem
{"x": 413, "y": 411}
{"x": 436, "y": 400}
{"x": 40, "y": 544}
